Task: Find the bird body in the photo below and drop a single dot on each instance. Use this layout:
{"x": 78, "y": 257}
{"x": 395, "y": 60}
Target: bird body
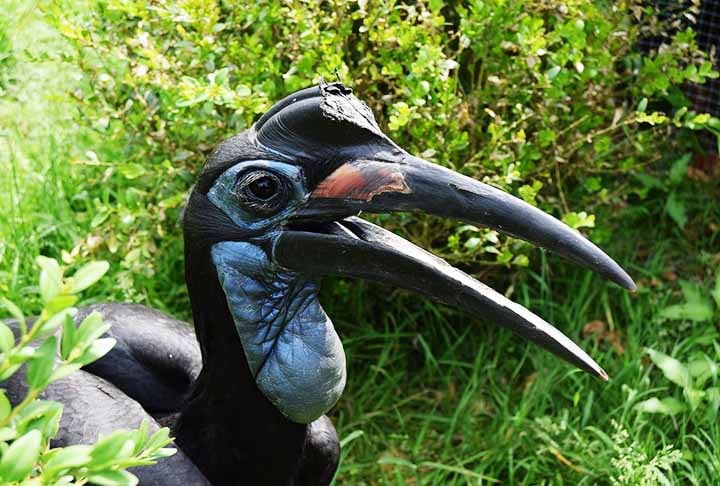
{"x": 273, "y": 211}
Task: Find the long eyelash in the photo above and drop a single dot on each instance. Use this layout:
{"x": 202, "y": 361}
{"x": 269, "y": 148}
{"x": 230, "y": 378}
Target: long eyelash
{"x": 244, "y": 180}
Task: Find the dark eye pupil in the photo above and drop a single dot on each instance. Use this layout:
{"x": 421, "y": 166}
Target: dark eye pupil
{"x": 263, "y": 188}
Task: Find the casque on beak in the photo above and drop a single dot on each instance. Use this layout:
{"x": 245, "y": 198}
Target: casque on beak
{"x": 390, "y": 180}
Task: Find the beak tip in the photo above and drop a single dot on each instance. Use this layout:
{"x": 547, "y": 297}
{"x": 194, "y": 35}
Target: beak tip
{"x": 629, "y": 284}
{"x": 620, "y": 277}
{"x": 602, "y": 374}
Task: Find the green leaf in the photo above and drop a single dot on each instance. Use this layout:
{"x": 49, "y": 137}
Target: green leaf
{"x": 679, "y": 169}
{"x": 20, "y": 458}
{"x": 673, "y": 369}
{"x": 21, "y": 355}
{"x": 654, "y": 118}
{"x": 697, "y": 307}
{"x": 521, "y": 261}
{"x": 67, "y": 457}
{"x": 716, "y": 291}
{"x": 42, "y": 363}
{"x": 113, "y": 478}
{"x": 689, "y": 311}
{"x": 472, "y": 243}
{"x": 95, "y": 351}
{"x": 159, "y": 439}
{"x": 67, "y": 340}
{"x": 579, "y": 220}
{"x": 56, "y": 320}
{"x": 17, "y": 313}
{"x": 242, "y": 91}
{"x": 694, "y": 397}
{"x": 141, "y": 436}
{"x": 132, "y": 170}
{"x": 88, "y": 275}
{"x": 116, "y": 446}
{"x": 99, "y": 218}
{"x": 552, "y": 72}
{"x": 666, "y": 406}
{"x": 60, "y": 302}
{"x": 91, "y": 328}
{"x": 676, "y": 210}
{"x": 50, "y": 277}
{"x": 8, "y": 434}
{"x": 5, "y": 406}
{"x": 9, "y": 372}
{"x": 63, "y": 371}
{"x": 7, "y": 339}
{"x": 40, "y": 414}
{"x": 354, "y": 435}
{"x": 529, "y": 192}
{"x": 712, "y": 395}
{"x": 702, "y": 369}
{"x": 163, "y": 452}
{"x": 650, "y": 182}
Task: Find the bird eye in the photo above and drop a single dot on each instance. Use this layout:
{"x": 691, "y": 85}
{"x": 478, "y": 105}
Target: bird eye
{"x": 263, "y": 188}
{"x": 261, "y": 191}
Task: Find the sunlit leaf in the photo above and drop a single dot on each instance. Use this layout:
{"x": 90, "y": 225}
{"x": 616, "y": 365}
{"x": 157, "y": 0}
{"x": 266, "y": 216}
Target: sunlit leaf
{"x": 88, "y": 275}
{"x": 673, "y": 369}
{"x": 17, "y": 313}
{"x": 95, "y": 351}
{"x": 50, "y": 277}
{"x": 42, "y": 363}
{"x": 67, "y": 457}
{"x": 694, "y": 397}
{"x": 7, "y": 339}
{"x": 697, "y": 307}
{"x": 113, "y": 478}
{"x": 4, "y": 405}
{"x": 57, "y": 320}
{"x": 666, "y": 406}
{"x": 19, "y": 459}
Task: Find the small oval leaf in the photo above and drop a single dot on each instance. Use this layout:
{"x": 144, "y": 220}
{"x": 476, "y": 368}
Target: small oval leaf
{"x": 673, "y": 369}
{"x": 88, "y": 275}
{"x": 17, "y": 313}
{"x": 42, "y": 363}
{"x": 113, "y": 478}
{"x": 5, "y": 406}
{"x": 20, "y": 458}
{"x": 50, "y": 277}
{"x": 7, "y": 339}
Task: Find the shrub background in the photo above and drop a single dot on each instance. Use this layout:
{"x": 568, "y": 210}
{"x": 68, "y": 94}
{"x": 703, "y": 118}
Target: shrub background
{"x": 108, "y": 109}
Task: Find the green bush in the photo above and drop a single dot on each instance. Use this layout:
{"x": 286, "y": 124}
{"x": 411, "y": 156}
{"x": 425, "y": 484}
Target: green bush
{"x": 548, "y": 100}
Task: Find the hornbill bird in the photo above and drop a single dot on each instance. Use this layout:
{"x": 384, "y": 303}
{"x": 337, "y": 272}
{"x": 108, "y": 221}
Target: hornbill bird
{"x": 275, "y": 209}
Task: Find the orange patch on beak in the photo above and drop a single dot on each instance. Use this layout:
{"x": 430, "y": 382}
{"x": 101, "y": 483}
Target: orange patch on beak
{"x": 361, "y": 180}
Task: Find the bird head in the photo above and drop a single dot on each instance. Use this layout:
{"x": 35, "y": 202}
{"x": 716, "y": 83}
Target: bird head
{"x": 276, "y": 208}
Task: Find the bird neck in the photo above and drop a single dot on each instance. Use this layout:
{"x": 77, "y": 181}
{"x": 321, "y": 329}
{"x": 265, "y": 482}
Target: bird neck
{"x": 227, "y": 426}
{"x": 291, "y": 347}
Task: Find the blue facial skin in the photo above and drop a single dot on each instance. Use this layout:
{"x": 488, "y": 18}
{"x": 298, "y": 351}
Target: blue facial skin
{"x": 290, "y": 344}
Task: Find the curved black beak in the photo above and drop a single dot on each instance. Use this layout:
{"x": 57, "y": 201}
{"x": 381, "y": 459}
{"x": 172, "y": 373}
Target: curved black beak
{"x": 393, "y": 180}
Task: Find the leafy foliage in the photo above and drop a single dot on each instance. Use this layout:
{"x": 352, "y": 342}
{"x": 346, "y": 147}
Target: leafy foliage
{"x": 697, "y": 378}
{"x": 26, "y": 429}
{"x": 160, "y": 86}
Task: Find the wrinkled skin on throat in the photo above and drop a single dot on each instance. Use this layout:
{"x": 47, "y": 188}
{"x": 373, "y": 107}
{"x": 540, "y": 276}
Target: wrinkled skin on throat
{"x": 292, "y": 350}
{"x": 290, "y": 344}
